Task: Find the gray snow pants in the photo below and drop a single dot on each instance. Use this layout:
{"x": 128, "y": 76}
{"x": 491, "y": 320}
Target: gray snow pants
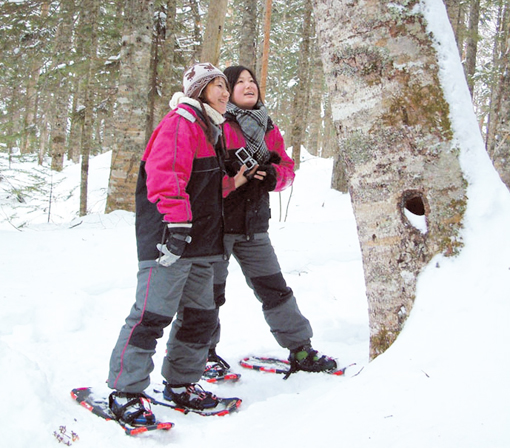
{"x": 185, "y": 288}
{"x": 263, "y": 275}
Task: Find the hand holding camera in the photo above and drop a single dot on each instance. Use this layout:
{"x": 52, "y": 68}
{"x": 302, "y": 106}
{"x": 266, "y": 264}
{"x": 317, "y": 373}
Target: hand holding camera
{"x": 251, "y": 170}
{"x": 246, "y": 159}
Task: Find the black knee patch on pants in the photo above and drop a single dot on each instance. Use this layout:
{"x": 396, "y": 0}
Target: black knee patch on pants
{"x": 219, "y": 294}
{"x": 272, "y": 290}
{"x": 197, "y": 325}
{"x": 146, "y": 333}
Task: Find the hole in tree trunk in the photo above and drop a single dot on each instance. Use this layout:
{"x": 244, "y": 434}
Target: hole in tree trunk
{"x": 415, "y": 208}
{"x": 415, "y": 205}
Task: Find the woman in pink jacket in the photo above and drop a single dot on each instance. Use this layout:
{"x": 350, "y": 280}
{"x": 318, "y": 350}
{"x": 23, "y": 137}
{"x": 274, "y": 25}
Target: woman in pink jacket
{"x": 247, "y": 216}
{"x": 179, "y": 223}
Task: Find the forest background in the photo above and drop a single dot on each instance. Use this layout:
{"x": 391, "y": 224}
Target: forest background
{"x": 79, "y": 78}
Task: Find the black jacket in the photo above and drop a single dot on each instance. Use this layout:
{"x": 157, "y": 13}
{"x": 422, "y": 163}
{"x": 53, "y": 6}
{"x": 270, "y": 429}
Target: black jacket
{"x": 247, "y": 209}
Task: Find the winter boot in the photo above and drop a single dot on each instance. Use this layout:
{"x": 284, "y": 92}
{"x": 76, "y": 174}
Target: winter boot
{"x": 307, "y": 359}
{"x": 190, "y": 396}
{"x": 216, "y": 366}
{"x": 132, "y": 408}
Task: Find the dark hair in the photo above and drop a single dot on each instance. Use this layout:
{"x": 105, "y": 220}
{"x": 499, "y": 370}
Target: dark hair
{"x": 232, "y": 73}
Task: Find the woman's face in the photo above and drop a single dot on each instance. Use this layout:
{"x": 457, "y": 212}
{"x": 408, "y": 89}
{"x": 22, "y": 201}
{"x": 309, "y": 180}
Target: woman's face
{"x": 216, "y": 94}
{"x": 245, "y": 93}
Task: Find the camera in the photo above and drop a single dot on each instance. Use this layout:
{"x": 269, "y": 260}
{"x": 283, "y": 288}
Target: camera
{"x": 245, "y": 158}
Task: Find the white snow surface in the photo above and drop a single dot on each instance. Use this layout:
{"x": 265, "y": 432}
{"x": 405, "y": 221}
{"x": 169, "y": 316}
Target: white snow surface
{"x": 67, "y": 286}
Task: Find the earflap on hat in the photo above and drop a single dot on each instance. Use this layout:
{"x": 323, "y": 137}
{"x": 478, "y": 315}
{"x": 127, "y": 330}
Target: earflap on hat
{"x": 197, "y": 77}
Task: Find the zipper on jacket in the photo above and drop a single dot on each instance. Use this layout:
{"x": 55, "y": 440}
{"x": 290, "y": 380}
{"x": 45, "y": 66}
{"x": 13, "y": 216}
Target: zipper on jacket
{"x": 221, "y": 162}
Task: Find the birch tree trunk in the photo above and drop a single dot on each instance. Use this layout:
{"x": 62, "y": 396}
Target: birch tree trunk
{"x": 214, "y": 31}
{"x": 248, "y": 39}
{"x": 392, "y": 121}
{"x": 158, "y": 37}
{"x": 132, "y": 98}
{"x": 168, "y": 80}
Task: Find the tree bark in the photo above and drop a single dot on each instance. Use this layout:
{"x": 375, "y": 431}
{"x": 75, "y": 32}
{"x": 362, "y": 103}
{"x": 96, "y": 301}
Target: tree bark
{"x": 28, "y": 141}
{"x": 89, "y": 33}
{"x": 167, "y": 78}
{"x": 197, "y": 35}
{"x": 158, "y": 36}
{"x": 300, "y": 105}
{"x": 248, "y": 40}
{"x": 472, "y": 44}
{"x": 456, "y": 13}
{"x": 132, "y": 97}
{"x": 73, "y": 152}
{"x": 61, "y": 96}
{"x": 395, "y": 134}
{"x": 314, "y": 140}
{"x": 265, "y": 51}
{"x": 498, "y": 145}
{"x": 214, "y": 31}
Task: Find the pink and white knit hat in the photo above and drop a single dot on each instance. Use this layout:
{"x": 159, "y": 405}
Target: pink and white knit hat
{"x": 197, "y": 77}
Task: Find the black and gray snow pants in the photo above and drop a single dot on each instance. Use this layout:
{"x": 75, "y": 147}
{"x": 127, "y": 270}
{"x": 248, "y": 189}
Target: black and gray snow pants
{"x": 184, "y": 288}
{"x": 263, "y": 275}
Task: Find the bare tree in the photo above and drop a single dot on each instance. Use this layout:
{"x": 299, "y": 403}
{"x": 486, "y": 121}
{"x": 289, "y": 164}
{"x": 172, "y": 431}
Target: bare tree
{"x": 393, "y": 125}
{"x": 167, "y": 77}
{"x": 89, "y": 13}
{"x": 132, "y": 100}
{"x": 248, "y": 40}
{"x": 197, "y": 33}
{"x": 300, "y": 105}
{"x": 29, "y": 121}
{"x": 498, "y": 135}
{"x": 265, "y": 51}
{"x": 214, "y": 31}
{"x": 456, "y": 13}
{"x": 472, "y": 43}
{"x": 61, "y": 94}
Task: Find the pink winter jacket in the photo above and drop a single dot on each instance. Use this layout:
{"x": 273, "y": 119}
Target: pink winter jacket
{"x": 181, "y": 180}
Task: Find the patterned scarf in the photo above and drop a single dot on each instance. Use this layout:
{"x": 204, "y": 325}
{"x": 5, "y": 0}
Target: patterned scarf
{"x": 253, "y": 123}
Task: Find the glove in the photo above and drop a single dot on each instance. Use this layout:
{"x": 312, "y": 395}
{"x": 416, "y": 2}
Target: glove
{"x": 269, "y": 182}
{"x": 166, "y": 258}
{"x": 178, "y": 238}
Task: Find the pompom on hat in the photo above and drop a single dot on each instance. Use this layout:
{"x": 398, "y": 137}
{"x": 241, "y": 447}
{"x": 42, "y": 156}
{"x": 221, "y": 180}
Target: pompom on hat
{"x": 197, "y": 77}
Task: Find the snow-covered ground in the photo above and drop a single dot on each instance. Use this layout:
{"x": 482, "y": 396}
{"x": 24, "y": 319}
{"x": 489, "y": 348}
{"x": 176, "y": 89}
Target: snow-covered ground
{"x": 67, "y": 285}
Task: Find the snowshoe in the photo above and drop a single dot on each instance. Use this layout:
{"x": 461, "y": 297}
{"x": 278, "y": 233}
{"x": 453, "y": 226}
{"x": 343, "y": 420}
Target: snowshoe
{"x": 218, "y": 370}
{"x": 131, "y": 408}
{"x": 307, "y": 359}
{"x": 192, "y": 398}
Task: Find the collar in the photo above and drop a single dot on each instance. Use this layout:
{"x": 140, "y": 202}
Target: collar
{"x": 180, "y": 98}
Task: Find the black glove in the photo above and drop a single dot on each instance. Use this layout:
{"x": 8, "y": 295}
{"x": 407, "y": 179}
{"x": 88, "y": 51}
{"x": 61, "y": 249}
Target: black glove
{"x": 274, "y": 157}
{"x": 269, "y": 182}
{"x": 178, "y": 238}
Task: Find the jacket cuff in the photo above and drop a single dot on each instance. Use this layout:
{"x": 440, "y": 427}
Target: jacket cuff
{"x": 229, "y": 185}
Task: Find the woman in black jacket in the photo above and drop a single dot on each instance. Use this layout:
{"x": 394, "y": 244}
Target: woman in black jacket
{"x": 246, "y": 218}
